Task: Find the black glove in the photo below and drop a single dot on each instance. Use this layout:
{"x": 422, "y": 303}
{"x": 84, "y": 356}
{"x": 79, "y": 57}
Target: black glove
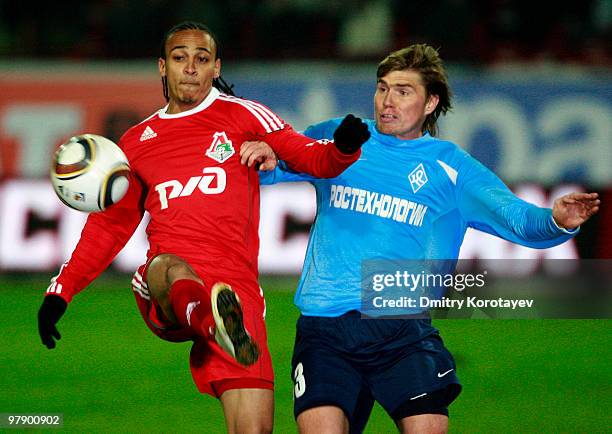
{"x": 351, "y": 134}
{"x": 50, "y": 312}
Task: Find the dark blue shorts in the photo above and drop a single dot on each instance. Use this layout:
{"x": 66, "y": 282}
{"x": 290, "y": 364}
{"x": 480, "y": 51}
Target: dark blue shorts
{"x": 350, "y": 362}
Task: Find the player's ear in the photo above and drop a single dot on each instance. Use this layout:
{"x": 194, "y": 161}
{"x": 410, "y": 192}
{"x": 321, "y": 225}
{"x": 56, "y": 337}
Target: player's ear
{"x": 217, "y": 68}
{"x": 161, "y": 64}
{"x": 431, "y": 104}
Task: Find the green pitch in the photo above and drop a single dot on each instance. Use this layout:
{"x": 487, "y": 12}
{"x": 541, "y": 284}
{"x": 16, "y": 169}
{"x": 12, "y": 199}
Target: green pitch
{"x": 110, "y": 374}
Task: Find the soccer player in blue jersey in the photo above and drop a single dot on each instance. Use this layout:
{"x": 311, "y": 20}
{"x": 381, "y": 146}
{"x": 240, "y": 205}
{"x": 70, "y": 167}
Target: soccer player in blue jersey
{"x": 410, "y": 196}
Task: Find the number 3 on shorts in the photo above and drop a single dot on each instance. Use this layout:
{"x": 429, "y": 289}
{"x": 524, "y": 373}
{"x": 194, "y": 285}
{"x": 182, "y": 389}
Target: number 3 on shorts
{"x": 300, "y": 381}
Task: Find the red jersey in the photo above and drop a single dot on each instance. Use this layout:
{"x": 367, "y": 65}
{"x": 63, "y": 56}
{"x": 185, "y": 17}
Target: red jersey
{"x": 203, "y": 204}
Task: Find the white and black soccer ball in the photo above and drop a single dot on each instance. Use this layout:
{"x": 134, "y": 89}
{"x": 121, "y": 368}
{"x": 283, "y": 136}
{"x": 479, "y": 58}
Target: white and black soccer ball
{"x": 89, "y": 173}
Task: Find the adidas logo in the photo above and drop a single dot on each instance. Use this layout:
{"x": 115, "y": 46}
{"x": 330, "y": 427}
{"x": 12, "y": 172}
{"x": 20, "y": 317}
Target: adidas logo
{"x": 147, "y": 134}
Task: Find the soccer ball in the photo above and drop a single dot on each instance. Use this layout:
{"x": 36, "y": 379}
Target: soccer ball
{"x": 89, "y": 173}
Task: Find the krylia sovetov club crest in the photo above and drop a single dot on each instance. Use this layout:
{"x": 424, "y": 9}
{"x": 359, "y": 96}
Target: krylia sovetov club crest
{"x": 221, "y": 148}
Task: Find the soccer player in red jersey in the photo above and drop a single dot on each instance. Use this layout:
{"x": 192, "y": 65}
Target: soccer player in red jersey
{"x": 200, "y": 280}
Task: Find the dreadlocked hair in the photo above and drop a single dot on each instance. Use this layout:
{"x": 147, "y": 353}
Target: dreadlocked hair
{"x": 219, "y": 82}
{"x": 223, "y": 86}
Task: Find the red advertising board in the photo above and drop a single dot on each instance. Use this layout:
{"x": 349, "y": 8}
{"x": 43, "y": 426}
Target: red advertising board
{"x": 38, "y": 113}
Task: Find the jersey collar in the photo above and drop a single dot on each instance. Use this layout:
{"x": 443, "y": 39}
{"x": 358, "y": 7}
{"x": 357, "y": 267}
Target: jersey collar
{"x": 394, "y": 141}
{"x": 210, "y": 98}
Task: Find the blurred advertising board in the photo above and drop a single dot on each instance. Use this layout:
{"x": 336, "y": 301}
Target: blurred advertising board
{"x": 38, "y": 232}
{"x": 542, "y": 136}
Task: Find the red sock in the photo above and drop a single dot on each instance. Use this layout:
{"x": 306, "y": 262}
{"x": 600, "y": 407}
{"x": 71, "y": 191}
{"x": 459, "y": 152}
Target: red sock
{"x": 191, "y": 305}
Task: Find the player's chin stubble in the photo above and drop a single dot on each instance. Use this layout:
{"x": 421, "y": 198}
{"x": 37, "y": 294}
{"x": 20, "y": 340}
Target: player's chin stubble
{"x": 187, "y": 100}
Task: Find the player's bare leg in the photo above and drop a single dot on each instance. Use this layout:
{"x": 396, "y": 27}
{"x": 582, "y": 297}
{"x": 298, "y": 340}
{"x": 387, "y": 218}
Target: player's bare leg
{"x": 248, "y": 411}
{"x": 163, "y": 271}
{"x": 167, "y": 272}
{"x": 424, "y": 423}
{"x": 327, "y": 419}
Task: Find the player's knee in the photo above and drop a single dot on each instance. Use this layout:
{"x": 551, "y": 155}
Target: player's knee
{"x": 181, "y": 270}
{"x": 262, "y": 425}
{"x": 264, "y": 428}
{"x": 251, "y": 422}
{"x": 248, "y": 410}
{"x": 424, "y": 424}
{"x": 326, "y": 419}
{"x": 165, "y": 269}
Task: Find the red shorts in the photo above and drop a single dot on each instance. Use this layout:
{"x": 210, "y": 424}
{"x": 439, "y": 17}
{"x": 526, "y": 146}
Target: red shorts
{"x": 213, "y": 370}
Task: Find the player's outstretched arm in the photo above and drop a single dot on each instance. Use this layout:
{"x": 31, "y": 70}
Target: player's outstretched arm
{"x": 573, "y": 209}
{"x": 50, "y": 312}
{"x": 320, "y": 158}
{"x": 351, "y": 134}
{"x": 104, "y": 235}
{"x": 488, "y": 205}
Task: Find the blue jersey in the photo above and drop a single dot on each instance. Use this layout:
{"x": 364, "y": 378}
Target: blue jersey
{"x": 403, "y": 199}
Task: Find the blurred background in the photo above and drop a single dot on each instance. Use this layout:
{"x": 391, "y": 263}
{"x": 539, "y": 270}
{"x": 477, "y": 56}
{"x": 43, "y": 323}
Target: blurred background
{"x": 468, "y": 31}
{"x": 533, "y": 101}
